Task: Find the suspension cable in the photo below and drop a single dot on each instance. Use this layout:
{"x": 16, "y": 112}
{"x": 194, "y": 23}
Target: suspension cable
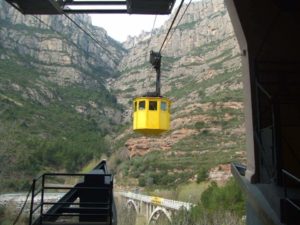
{"x": 178, "y": 23}
{"x": 110, "y": 55}
{"x": 151, "y": 33}
{"x": 171, "y": 25}
{"x": 89, "y": 35}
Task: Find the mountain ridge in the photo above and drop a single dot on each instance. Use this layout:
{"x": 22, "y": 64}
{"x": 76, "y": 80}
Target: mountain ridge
{"x": 64, "y": 105}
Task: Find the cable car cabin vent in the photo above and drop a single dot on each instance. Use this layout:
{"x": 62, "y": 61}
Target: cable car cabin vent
{"x": 151, "y": 115}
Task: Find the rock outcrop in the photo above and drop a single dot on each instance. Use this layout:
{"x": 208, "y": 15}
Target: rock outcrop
{"x": 55, "y": 45}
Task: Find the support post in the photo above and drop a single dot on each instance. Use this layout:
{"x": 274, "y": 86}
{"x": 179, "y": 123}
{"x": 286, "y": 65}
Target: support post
{"x": 42, "y": 199}
{"x": 32, "y": 201}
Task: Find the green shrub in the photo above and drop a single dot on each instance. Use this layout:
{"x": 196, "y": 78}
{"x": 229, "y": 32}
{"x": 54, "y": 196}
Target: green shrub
{"x": 227, "y": 198}
{"x": 199, "y": 125}
{"x": 202, "y": 175}
{"x": 142, "y": 181}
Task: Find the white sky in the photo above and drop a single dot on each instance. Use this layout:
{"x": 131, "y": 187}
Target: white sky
{"x": 120, "y": 26}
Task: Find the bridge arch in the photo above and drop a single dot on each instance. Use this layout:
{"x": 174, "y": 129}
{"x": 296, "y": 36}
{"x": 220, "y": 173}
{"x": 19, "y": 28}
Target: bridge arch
{"x": 131, "y": 204}
{"x": 160, "y": 210}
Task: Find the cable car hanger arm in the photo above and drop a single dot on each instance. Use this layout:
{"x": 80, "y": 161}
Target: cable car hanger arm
{"x": 155, "y": 60}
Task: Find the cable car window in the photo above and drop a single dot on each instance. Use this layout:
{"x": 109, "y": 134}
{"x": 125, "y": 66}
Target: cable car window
{"x": 163, "y": 106}
{"x": 135, "y": 106}
{"x": 142, "y": 105}
{"x": 152, "y": 105}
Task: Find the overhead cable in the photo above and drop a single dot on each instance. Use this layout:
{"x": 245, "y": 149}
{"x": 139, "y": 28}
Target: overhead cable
{"x": 110, "y": 55}
{"x": 179, "y": 21}
{"x": 152, "y": 32}
{"x": 89, "y": 35}
{"x": 170, "y": 28}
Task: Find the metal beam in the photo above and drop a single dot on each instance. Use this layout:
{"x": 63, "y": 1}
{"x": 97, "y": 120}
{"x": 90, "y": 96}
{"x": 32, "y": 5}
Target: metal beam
{"x": 95, "y": 11}
{"x": 95, "y": 3}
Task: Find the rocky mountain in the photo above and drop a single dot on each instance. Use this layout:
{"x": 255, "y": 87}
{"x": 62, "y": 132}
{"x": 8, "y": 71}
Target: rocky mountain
{"x": 65, "y": 99}
{"x": 55, "y": 109}
{"x": 201, "y": 73}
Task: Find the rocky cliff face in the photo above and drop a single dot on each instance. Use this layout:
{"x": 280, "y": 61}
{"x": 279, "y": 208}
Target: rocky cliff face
{"x": 55, "y": 44}
{"x": 58, "y": 105}
{"x": 205, "y": 32}
{"x": 201, "y": 74}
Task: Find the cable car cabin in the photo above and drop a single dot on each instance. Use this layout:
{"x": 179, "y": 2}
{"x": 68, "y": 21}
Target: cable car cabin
{"x": 151, "y": 115}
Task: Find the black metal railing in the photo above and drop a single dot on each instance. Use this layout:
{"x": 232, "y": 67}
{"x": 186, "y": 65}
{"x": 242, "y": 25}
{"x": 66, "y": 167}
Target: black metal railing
{"x": 90, "y": 200}
{"x": 290, "y": 204}
{"x": 34, "y": 205}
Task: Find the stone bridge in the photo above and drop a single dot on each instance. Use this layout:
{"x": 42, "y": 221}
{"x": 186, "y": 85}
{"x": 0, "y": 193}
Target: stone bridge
{"x": 153, "y": 207}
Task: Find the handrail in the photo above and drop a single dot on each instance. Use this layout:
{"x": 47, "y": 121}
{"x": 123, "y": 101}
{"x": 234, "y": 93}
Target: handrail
{"x": 36, "y": 208}
{"x": 75, "y": 203}
{"x": 84, "y": 209}
{"x": 47, "y": 211}
{"x": 168, "y": 203}
{"x": 291, "y": 175}
{"x": 38, "y": 192}
{"x": 76, "y": 188}
{"x": 289, "y": 204}
{"x": 293, "y": 204}
{"x": 76, "y": 174}
{"x": 32, "y": 201}
{"x": 264, "y": 90}
{"x": 73, "y": 214}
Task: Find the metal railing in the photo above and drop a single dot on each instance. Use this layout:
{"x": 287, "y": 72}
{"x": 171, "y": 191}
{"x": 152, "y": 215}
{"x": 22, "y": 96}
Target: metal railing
{"x": 90, "y": 200}
{"x": 35, "y": 192}
{"x": 167, "y": 203}
{"x": 291, "y": 202}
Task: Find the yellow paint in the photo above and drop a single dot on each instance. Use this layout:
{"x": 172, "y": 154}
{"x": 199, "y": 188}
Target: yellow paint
{"x": 155, "y": 121}
{"x": 156, "y": 200}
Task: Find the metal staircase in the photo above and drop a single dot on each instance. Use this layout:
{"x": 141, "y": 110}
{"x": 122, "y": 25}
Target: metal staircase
{"x": 89, "y": 202}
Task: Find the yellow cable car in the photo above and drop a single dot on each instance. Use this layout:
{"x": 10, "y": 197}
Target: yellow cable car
{"x": 151, "y": 115}
{"x": 152, "y": 112}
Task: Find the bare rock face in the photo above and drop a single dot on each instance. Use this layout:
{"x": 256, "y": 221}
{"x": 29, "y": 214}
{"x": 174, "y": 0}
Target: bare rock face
{"x": 204, "y": 33}
{"x": 144, "y": 145}
{"x": 63, "y": 56}
{"x": 54, "y": 44}
{"x": 203, "y": 36}
{"x": 220, "y": 174}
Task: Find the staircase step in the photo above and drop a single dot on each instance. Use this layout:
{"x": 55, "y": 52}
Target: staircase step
{"x": 83, "y": 210}
{"x": 75, "y": 223}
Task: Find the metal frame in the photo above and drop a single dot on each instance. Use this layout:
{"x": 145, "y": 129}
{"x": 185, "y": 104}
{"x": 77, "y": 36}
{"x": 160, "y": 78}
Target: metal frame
{"x": 89, "y": 6}
{"x": 94, "y": 210}
{"x": 290, "y": 214}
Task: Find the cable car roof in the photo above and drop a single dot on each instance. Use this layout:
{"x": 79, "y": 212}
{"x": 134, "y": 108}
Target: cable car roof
{"x": 93, "y": 6}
